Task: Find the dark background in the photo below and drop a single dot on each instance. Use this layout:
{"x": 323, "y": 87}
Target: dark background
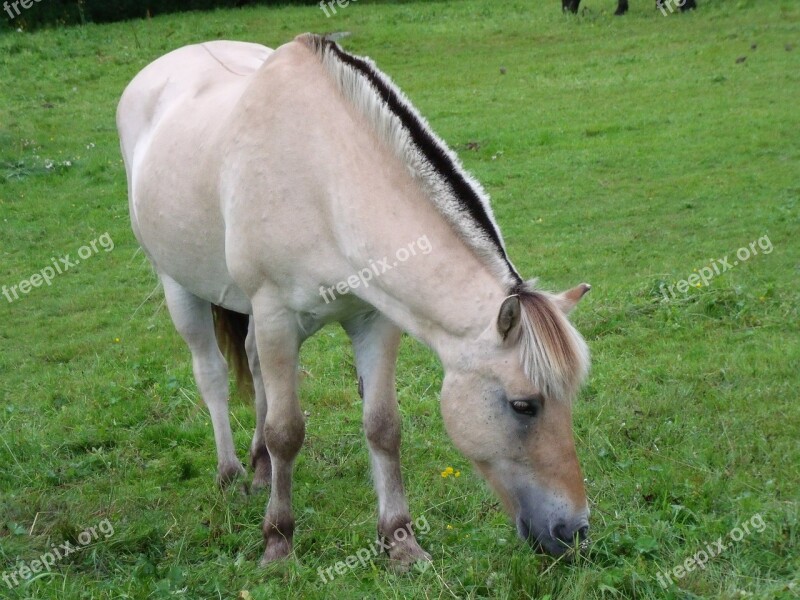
{"x": 72, "y": 12}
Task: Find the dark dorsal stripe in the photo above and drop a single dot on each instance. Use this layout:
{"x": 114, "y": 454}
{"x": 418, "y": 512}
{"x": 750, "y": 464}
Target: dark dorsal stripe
{"x": 431, "y": 149}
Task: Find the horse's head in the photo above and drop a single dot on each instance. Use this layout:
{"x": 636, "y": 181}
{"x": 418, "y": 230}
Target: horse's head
{"x": 507, "y": 406}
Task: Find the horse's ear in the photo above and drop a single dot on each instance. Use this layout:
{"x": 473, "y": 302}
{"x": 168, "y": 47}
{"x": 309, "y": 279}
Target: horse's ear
{"x": 568, "y": 300}
{"x": 509, "y": 316}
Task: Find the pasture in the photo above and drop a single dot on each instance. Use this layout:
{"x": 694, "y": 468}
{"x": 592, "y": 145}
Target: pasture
{"x": 630, "y": 152}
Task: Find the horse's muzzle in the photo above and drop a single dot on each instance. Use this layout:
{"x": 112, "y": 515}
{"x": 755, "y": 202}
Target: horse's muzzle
{"x": 557, "y": 537}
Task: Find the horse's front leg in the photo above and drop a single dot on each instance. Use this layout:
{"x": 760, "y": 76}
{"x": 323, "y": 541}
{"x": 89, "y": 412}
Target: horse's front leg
{"x": 375, "y": 344}
{"x": 278, "y": 343}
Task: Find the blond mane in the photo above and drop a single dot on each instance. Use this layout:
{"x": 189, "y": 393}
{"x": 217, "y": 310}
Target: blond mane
{"x": 554, "y": 355}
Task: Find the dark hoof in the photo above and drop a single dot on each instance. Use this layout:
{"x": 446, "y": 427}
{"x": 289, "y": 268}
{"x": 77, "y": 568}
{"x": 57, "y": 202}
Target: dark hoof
{"x": 262, "y": 469}
{"x": 229, "y": 474}
{"x": 410, "y": 554}
{"x": 278, "y": 549}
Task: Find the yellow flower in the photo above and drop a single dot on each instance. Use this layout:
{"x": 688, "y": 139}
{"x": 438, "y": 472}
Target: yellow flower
{"x": 458, "y": 473}
{"x": 447, "y": 472}
{"x": 116, "y": 340}
{"x": 449, "y": 526}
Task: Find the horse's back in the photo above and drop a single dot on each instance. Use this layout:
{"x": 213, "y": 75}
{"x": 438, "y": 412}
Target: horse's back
{"x": 182, "y": 74}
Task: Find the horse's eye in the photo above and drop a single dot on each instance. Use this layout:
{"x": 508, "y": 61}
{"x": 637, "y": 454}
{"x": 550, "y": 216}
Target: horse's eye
{"x": 525, "y": 407}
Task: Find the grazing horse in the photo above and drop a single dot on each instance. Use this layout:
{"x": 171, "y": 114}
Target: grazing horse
{"x": 622, "y": 6}
{"x": 283, "y": 190}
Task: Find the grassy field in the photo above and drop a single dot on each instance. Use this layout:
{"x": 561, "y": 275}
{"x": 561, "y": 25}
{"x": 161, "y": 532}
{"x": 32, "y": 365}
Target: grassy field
{"x": 628, "y": 152}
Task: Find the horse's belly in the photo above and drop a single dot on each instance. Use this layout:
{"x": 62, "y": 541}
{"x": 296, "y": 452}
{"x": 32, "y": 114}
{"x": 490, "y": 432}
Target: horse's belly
{"x": 189, "y": 246}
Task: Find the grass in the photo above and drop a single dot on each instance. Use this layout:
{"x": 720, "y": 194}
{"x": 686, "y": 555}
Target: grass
{"x": 623, "y": 151}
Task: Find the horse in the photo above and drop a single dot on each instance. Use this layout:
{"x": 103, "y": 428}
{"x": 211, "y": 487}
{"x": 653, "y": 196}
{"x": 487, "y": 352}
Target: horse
{"x": 277, "y": 191}
{"x": 622, "y": 6}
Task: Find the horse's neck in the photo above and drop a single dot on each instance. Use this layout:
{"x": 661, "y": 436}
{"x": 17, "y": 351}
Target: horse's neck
{"x": 442, "y": 293}
{"x": 377, "y": 208}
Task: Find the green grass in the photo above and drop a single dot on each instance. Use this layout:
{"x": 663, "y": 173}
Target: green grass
{"x": 622, "y": 151}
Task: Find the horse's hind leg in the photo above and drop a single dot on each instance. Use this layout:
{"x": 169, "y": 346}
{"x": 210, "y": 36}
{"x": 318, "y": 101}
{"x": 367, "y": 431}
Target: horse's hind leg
{"x": 194, "y": 321}
{"x": 259, "y": 455}
{"x": 375, "y": 343}
{"x": 622, "y": 7}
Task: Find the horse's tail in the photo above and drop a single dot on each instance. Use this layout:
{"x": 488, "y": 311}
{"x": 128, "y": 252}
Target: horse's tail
{"x": 231, "y": 330}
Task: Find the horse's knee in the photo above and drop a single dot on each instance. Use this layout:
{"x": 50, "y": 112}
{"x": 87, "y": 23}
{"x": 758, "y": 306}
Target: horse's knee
{"x": 284, "y": 437}
{"x": 210, "y": 365}
{"x": 382, "y": 430}
{"x": 211, "y": 375}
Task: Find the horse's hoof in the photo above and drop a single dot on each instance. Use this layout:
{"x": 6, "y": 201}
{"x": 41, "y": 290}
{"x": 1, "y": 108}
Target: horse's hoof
{"x": 262, "y": 469}
{"x": 403, "y": 556}
{"x": 278, "y": 549}
{"x": 259, "y": 484}
{"x": 229, "y": 474}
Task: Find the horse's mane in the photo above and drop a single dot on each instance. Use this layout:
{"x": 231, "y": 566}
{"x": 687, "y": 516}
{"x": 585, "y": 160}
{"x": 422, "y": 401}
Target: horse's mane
{"x": 433, "y": 165}
{"x": 553, "y": 353}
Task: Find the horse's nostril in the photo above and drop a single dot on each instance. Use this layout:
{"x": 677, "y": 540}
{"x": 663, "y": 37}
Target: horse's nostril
{"x": 568, "y": 534}
{"x": 561, "y": 533}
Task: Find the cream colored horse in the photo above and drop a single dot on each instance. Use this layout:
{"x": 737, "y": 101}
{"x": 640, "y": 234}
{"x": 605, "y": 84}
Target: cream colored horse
{"x": 269, "y": 183}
